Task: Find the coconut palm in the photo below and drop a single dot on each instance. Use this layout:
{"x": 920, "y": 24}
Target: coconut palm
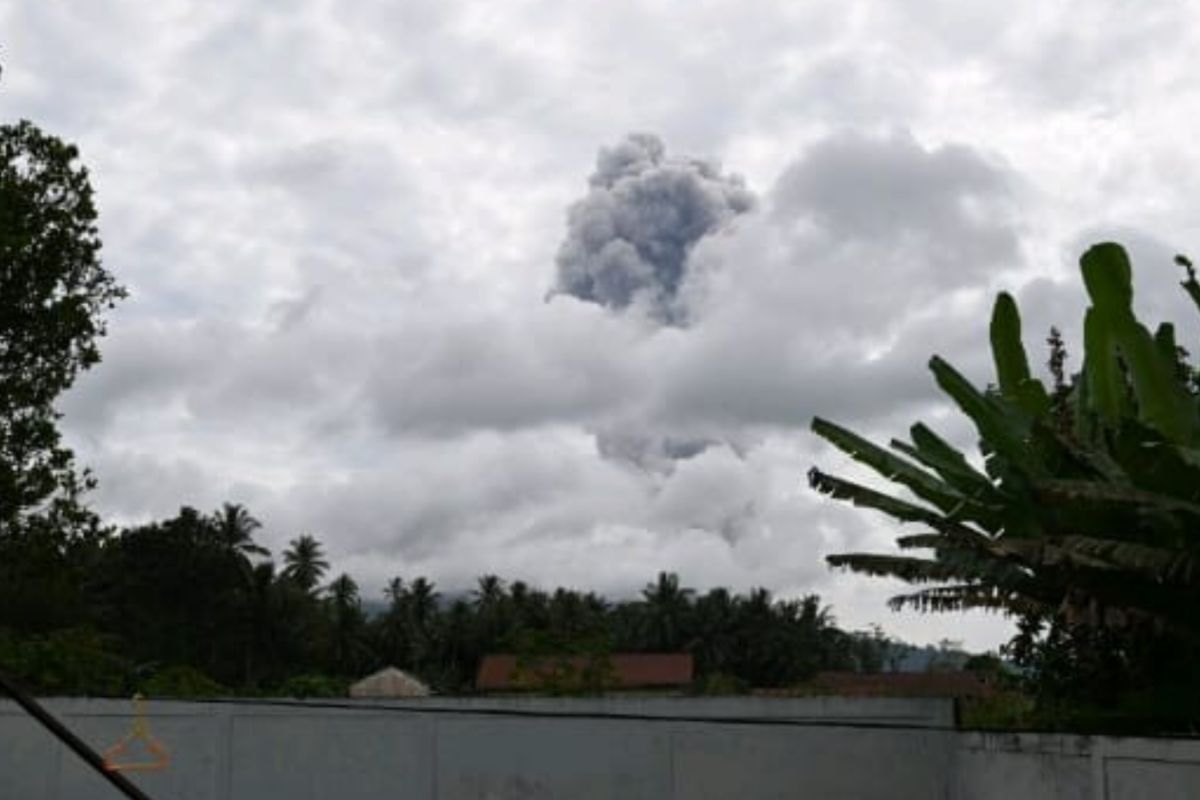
{"x": 667, "y": 612}
{"x": 716, "y": 627}
{"x": 422, "y": 623}
{"x": 304, "y": 562}
{"x": 235, "y": 528}
{"x": 344, "y": 607}
{"x": 489, "y": 594}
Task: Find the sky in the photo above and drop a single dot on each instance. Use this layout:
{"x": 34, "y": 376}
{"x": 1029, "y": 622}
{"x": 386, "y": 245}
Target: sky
{"x": 553, "y": 289}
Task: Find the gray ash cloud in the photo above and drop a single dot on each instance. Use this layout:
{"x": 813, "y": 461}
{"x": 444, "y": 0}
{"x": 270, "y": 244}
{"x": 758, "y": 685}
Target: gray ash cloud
{"x": 648, "y": 451}
{"x": 629, "y": 239}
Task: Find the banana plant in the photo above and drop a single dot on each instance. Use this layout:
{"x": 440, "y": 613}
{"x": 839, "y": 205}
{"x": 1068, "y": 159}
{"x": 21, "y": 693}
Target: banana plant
{"x": 1088, "y": 508}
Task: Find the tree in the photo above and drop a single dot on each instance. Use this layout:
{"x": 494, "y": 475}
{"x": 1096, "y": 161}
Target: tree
{"x": 392, "y": 626}
{"x": 235, "y": 528}
{"x": 349, "y": 652}
{"x": 53, "y": 293}
{"x": 422, "y": 620}
{"x": 668, "y": 608}
{"x": 1086, "y": 511}
{"x": 263, "y": 619}
{"x": 716, "y": 623}
{"x": 174, "y": 595}
{"x": 304, "y": 562}
{"x": 1096, "y": 522}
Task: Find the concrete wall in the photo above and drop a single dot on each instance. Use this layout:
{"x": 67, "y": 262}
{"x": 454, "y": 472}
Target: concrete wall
{"x": 259, "y": 752}
{"x": 1036, "y": 766}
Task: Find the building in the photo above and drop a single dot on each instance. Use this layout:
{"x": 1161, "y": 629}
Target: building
{"x": 389, "y": 682}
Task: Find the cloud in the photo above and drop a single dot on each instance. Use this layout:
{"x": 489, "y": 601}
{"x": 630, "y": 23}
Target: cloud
{"x": 339, "y": 225}
{"x": 629, "y": 239}
{"x": 891, "y": 191}
{"x": 648, "y": 450}
{"x": 419, "y": 430}
{"x": 867, "y": 256}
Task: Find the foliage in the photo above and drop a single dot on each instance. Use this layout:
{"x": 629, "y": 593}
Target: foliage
{"x": 185, "y": 592}
{"x": 53, "y": 291}
{"x": 71, "y": 661}
{"x": 1008, "y": 709}
{"x": 720, "y": 684}
{"x": 990, "y": 668}
{"x": 305, "y": 686}
{"x": 1085, "y": 511}
{"x": 304, "y": 562}
{"x": 181, "y": 681}
{"x": 556, "y": 666}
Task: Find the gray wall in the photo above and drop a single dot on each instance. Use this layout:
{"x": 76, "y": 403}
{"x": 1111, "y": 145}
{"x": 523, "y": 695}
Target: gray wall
{"x": 259, "y": 752}
{"x": 1036, "y": 766}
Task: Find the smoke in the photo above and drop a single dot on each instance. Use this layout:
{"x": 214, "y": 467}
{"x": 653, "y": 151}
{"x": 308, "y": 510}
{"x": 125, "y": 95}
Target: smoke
{"x": 647, "y": 451}
{"x": 628, "y": 240}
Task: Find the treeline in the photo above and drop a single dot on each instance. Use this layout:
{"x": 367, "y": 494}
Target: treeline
{"x": 194, "y": 605}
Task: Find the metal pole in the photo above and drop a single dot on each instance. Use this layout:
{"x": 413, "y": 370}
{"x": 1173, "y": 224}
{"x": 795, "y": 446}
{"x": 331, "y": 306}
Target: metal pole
{"x": 64, "y": 734}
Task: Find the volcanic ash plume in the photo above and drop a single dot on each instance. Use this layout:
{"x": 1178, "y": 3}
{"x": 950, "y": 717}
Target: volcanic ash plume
{"x": 628, "y": 240}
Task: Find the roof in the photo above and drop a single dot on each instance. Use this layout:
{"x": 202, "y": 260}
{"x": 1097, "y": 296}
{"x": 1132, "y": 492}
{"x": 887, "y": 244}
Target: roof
{"x": 389, "y": 682}
{"x": 628, "y": 671}
{"x": 902, "y": 684}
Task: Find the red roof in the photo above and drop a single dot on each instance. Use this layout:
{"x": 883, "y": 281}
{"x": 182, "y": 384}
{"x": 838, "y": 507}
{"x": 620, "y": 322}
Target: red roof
{"x": 628, "y": 670}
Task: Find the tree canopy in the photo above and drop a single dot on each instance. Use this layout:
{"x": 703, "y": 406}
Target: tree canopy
{"x": 184, "y": 603}
{"x": 53, "y": 293}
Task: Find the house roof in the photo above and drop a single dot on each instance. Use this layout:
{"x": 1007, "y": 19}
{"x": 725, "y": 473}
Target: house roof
{"x": 389, "y": 682}
{"x": 629, "y": 671}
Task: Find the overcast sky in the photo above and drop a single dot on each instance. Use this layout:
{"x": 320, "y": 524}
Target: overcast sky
{"x": 552, "y": 289}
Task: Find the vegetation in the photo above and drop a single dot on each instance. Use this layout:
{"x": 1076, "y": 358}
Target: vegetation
{"x": 52, "y": 292}
{"x": 1082, "y": 521}
{"x": 193, "y": 606}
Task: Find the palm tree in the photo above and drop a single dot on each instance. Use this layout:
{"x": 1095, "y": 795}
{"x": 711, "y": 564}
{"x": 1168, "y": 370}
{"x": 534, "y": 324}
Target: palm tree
{"x": 304, "y": 562}
{"x": 668, "y": 608}
{"x": 235, "y": 528}
{"x": 716, "y": 628}
{"x": 263, "y": 616}
{"x": 422, "y": 619}
{"x": 346, "y": 617}
{"x": 491, "y": 611}
{"x": 394, "y": 631}
{"x": 489, "y": 594}
{"x": 395, "y": 592}
{"x": 459, "y": 650}
{"x": 424, "y": 601}
{"x": 518, "y": 596}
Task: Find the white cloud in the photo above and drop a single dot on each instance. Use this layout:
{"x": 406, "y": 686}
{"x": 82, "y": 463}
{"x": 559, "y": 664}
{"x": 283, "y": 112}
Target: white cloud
{"x": 340, "y": 223}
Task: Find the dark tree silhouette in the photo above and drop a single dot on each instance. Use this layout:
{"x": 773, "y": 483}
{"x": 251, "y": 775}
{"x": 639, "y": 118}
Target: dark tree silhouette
{"x": 53, "y": 293}
{"x": 304, "y": 562}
